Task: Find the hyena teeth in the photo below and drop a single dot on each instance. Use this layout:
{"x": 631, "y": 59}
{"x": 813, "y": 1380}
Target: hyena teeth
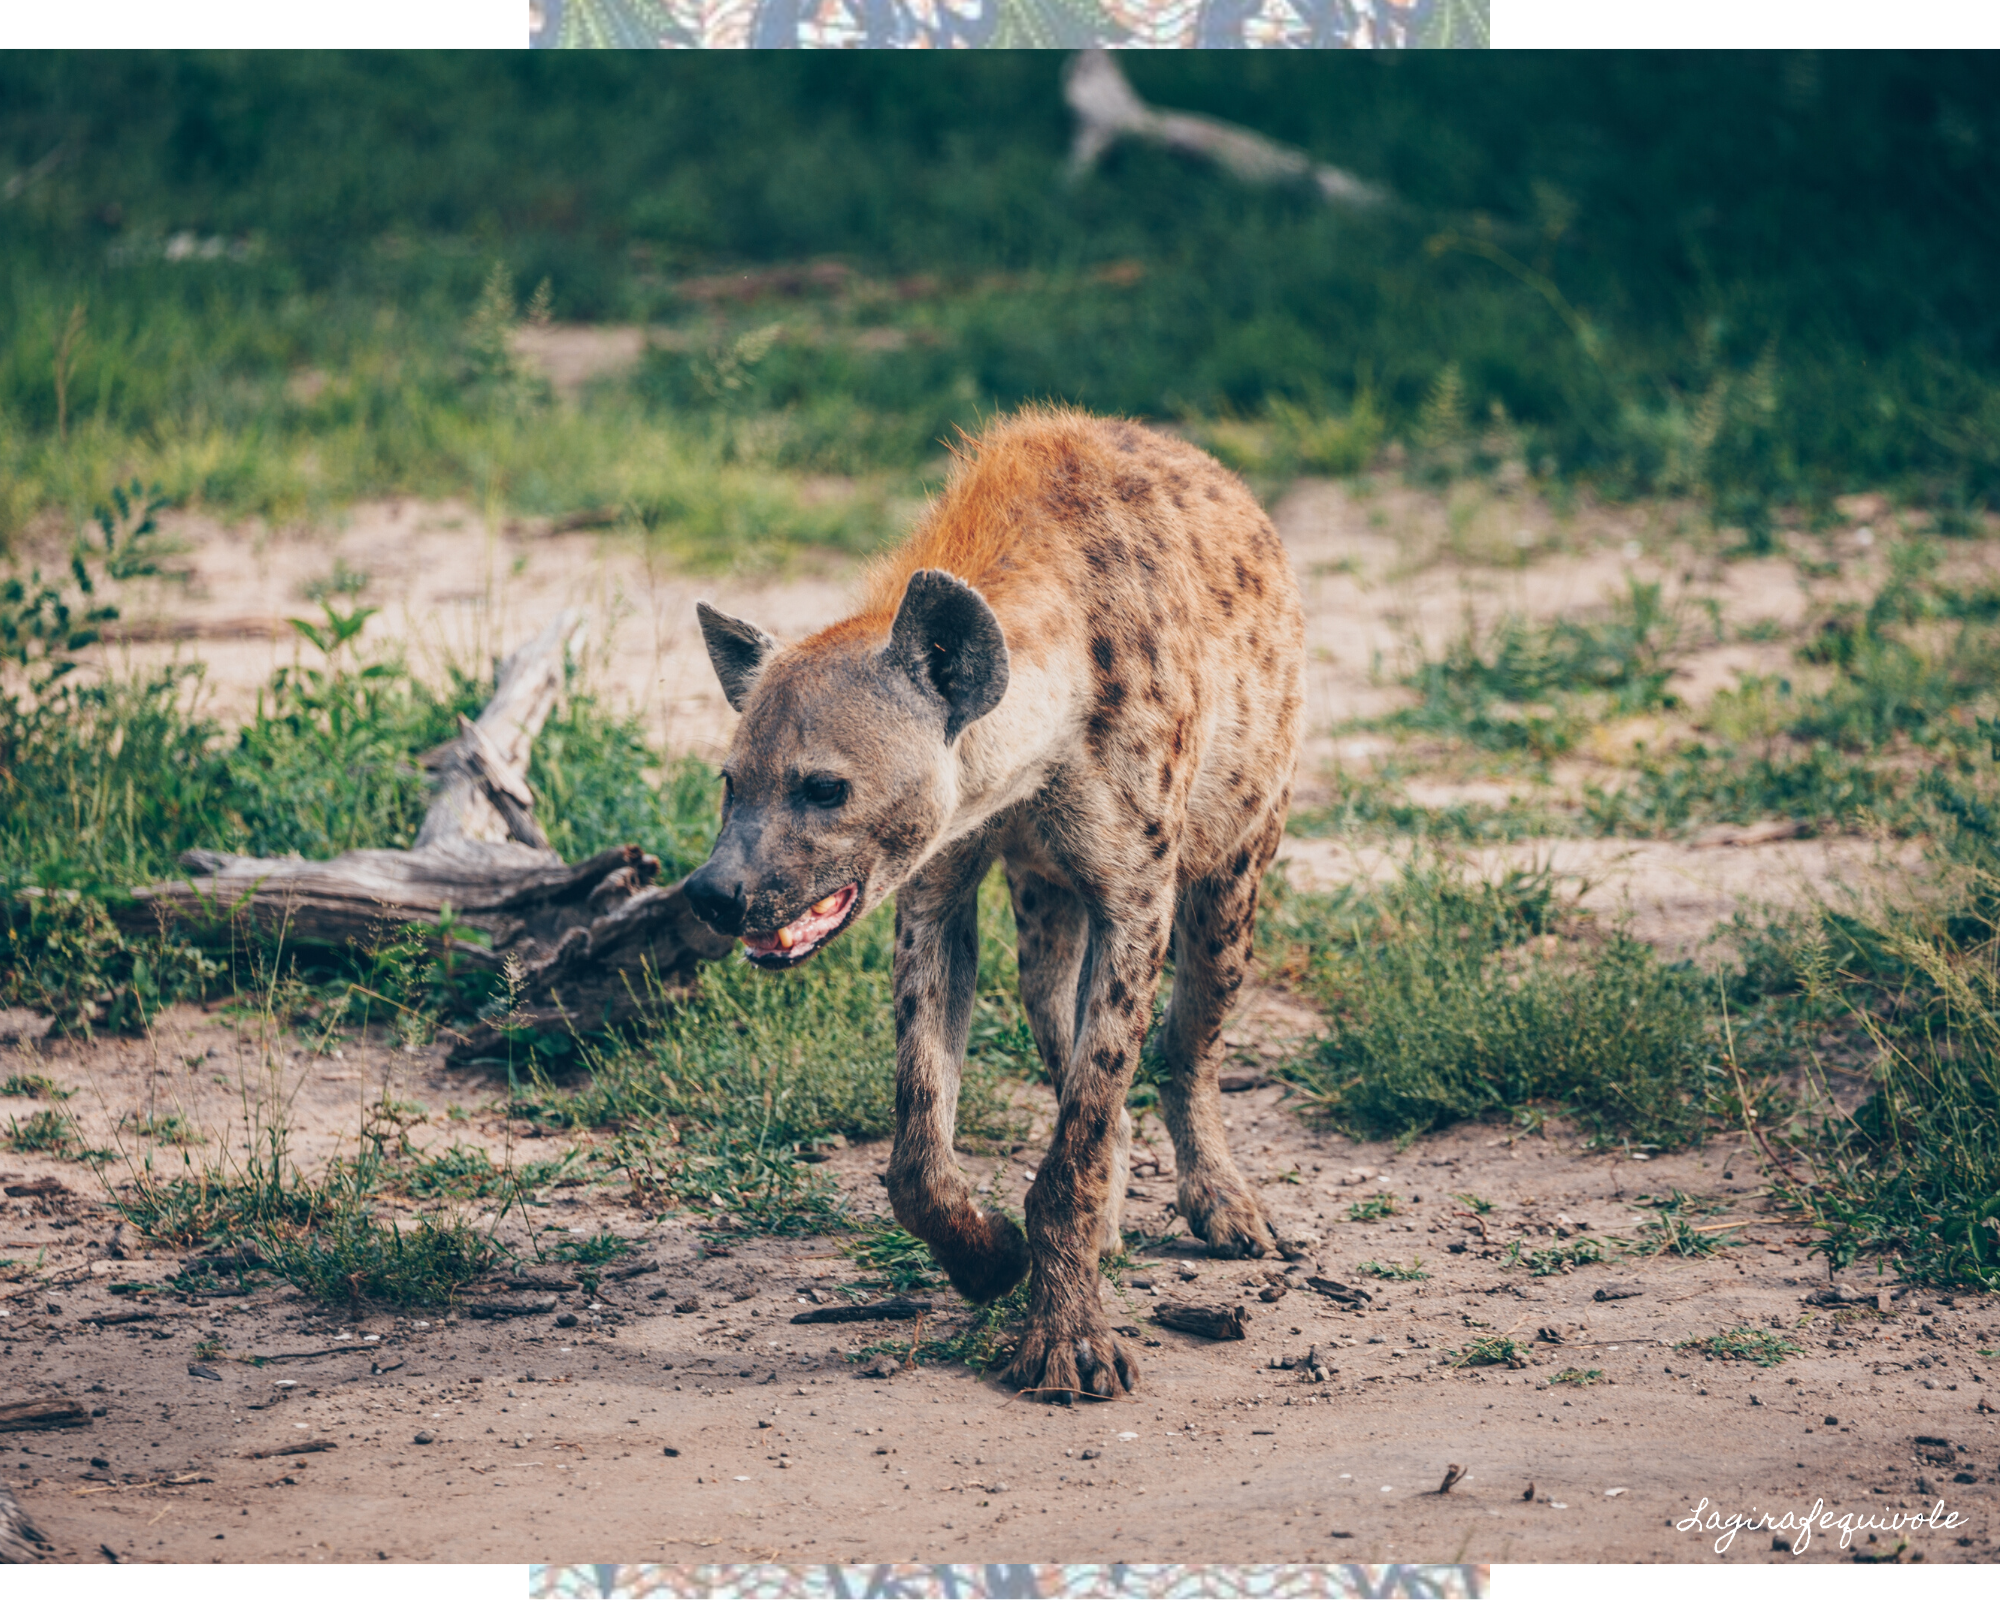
{"x": 827, "y": 904}
{"x": 785, "y": 939}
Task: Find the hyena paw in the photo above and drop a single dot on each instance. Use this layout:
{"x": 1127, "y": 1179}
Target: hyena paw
{"x": 985, "y": 1258}
{"x": 1228, "y": 1216}
{"x": 1066, "y": 1358}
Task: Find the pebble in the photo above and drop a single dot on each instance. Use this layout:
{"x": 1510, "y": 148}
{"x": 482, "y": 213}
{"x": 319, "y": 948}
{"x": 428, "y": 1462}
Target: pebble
{"x": 426, "y": 1437}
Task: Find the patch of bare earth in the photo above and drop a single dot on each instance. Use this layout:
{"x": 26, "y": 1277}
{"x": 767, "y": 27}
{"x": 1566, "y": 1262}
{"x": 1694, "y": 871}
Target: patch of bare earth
{"x": 682, "y": 1414}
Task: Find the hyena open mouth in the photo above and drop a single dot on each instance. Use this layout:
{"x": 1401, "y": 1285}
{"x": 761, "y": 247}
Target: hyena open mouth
{"x": 799, "y": 938}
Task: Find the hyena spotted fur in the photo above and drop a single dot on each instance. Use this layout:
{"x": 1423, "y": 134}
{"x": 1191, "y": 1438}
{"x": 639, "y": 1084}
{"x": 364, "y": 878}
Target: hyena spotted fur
{"x": 1087, "y": 662}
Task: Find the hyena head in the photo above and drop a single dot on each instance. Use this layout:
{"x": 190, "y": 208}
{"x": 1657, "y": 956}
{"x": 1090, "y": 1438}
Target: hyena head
{"x": 841, "y": 776}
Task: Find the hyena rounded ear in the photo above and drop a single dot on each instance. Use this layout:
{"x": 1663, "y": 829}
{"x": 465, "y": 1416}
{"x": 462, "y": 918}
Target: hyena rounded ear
{"x": 946, "y": 638}
{"x": 738, "y": 650}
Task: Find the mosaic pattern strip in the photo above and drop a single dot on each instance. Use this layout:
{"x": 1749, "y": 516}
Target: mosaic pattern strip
{"x": 993, "y": 1580}
{"x": 1008, "y": 24}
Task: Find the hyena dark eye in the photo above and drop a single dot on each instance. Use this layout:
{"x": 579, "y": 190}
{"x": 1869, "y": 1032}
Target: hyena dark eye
{"x": 827, "y": 792}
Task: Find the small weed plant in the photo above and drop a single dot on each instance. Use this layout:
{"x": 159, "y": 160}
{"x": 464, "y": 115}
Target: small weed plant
{"x": 1758, "y": 1345}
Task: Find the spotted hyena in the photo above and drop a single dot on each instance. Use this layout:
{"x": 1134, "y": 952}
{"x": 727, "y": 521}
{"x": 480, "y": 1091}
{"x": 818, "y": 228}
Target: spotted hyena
{"x": 1086, "y": 661}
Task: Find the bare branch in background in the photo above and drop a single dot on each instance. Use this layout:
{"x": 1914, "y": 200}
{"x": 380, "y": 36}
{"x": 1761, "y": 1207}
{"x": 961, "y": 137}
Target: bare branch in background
{"x": 1107, "y": 109}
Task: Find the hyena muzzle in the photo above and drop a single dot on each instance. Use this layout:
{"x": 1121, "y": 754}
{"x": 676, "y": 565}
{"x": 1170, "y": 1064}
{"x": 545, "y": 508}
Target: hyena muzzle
{"x": 1087, "y": 663}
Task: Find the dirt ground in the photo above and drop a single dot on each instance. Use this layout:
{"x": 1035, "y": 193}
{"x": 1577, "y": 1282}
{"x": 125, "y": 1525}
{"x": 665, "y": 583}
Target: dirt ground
{"x": 681, "y": 1414}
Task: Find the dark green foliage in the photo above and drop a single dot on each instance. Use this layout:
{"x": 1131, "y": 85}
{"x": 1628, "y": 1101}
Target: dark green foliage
{"x": 1800, "y": 306}
{"x": 328, "y": 763}
{"x": 598, "y": 782}
{"x": 104, "y": 784}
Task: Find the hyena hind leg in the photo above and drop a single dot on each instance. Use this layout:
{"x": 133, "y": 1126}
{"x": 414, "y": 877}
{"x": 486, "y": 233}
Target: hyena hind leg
{"x": 1213, "y": 929}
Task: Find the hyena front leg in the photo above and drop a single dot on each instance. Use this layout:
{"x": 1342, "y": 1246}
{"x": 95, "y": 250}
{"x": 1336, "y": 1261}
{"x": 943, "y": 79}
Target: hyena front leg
{"x": 1214, "y": 927}
{"x": 1054, "y": 931}
{"x": 1068, "y": 1348}
{"x": 936, "y": 969}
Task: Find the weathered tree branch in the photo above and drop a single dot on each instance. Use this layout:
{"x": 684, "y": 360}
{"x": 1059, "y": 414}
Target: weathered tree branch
{"x": 1107, "y": 109}
{"x": 583, "y": 945}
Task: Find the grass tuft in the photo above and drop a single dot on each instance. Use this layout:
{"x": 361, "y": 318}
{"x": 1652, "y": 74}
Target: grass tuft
{"x": 1450, "y": 999}
{"x": 1760, "y": 1345}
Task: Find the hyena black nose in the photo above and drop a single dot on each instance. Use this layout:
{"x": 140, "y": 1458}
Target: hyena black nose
{"x": 718, "y": 906}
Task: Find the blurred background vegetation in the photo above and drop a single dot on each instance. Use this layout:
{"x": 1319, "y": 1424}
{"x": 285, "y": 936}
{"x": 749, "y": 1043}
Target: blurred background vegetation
{"x": 1760, "y": 280}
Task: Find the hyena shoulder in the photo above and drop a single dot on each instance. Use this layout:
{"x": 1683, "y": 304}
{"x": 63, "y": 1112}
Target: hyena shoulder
{"x": 1104, "y": 539}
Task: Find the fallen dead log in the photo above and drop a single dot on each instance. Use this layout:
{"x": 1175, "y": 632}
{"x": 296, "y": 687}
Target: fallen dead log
{"x": 583, "y": 945}
{"x": 1211, "y": 1322}
{"x": 31, "y": 1416}
{"x": 307, "y": 1447}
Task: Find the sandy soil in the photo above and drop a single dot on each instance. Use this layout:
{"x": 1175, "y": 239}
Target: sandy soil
{"x": 682, "y": 1412}
{"x": 781, "y": 1452}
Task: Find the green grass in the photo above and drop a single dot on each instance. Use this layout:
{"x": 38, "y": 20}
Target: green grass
{"x": 1491, "y": 1350}
{"x": 233, "y": 280}
{"x": 1395, "y": 1271}
{"x": 1675, "y": 1232}
{"x": 321, "y": 1235}
{"x": 1765, "y": 1348}
{"x": 33, "y": 1086}
{"x": 104, "y": 784}
{"x": 981, "y": 1340}
{"x": 1448, "y": 999}
{"x": 44, "y": 1133}
{"x": 1701, "y": 785}
{"x": 713, "y": 1100}
{"x": 595, "y": 1250}
{"x": 467, "y": 1172}
{"x": 1376, "y": 804}
{"x": 1538, "y": 688}
{"x": 1579, "y": 1377}
{"x": 171, "y": 1128}
{"x": 1372, "y": 1209}
{"x": 896, "y": 1262}
{"x": 1557, "y": 1258}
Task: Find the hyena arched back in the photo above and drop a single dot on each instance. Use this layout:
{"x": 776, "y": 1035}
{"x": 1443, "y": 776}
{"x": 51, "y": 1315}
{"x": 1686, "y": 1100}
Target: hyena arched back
{"x": 1087, "y": 662}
